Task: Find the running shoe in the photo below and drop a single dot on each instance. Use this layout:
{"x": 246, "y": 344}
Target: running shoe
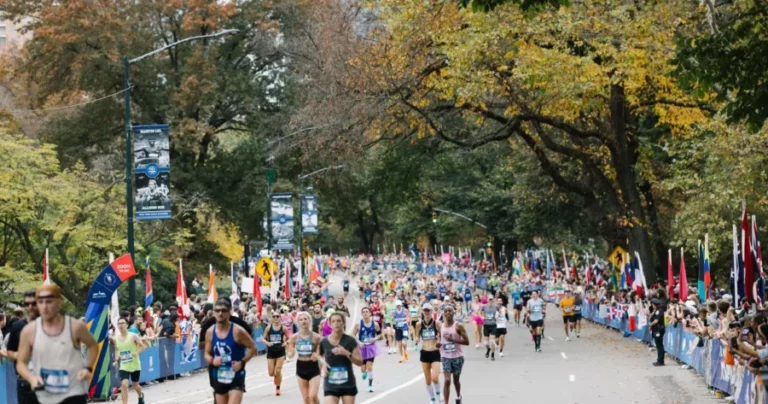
{"x": 365, "y": 375}
{"x": 406, "y": 355}
{"x": 370, "y": 389}
{"x": 141, "y": 399}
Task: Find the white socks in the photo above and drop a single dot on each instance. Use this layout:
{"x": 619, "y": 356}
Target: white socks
{"x": 431, "y": 392}
{"x": 436, "y": 386}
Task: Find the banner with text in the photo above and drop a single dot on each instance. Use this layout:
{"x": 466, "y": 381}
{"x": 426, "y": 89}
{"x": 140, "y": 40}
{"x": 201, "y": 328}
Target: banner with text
{"x": 309, "y": 214}
{"x": 282, "y": 221}
{"x": 152, "y": 171}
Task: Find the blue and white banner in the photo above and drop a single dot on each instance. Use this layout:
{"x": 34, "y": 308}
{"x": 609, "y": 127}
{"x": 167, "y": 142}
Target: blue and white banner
{"x": 309, "y": 214}
{"x": 152, "y": 171}
{"x": 282, "y": 221}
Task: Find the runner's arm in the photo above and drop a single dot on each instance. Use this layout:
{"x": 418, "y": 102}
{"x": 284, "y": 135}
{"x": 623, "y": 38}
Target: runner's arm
{"x": 208, "y": 346}
{"x": 417, "y": 331}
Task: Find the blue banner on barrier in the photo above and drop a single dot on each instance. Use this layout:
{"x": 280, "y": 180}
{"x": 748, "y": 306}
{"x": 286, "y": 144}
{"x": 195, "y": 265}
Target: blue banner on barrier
{"x": 150, "y": 364}
{"x": 257, "y": 333}
{"x": 167, "y": 357}
{"x": 4, "y": 380}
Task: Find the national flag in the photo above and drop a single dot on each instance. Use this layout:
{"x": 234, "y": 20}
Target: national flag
{"x": 757, "y": 262}
{"x": 746, "y": 254}
{"x": 707, "y": 272}
{"x": 181, "y": 293}
{"x": 148, "y": 295}
{"x": 629, "y": 272}
{"x": 614, "y": 280}
{"x": 700, "y": 283}
{"x": 257, "y": 292}
{"x": 670, "y": 275}
{"x": 683, "y": 278}
{"x": 639, "y": 283}
{"x": 213, "y": 295}
{"x": 737, "y": 280}
{"x": 631, "y": 317}
{"x": 565, "y": 266}
{"x": 233, "y": 275}
{"x": 46, "y": 277}
{"x": 288, "y": 288}
{"x": 549, "y": 265}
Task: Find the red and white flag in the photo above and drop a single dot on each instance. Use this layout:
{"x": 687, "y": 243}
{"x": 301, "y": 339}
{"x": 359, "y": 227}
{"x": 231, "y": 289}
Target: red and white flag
{"x": 181, "y": 293}
{"x": 683, "y": 279}
{"x": 46, "y": 278}
{"x": 213, "y": 295}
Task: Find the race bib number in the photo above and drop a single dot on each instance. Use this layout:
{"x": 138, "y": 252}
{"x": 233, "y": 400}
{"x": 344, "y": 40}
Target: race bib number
{"x": 489, "y": 316}
{"x": 368, "y": 340}
{"x": 126, "y": 357}
{"x": 226, "y": 359}
{"x": 578, "y": 308}
{"x": 405, "y": 332}
{"x": 55, "y": 381}
{"x": 401, "y": 323}
{"x": 536, "y": 309}
{"x": 449, "y": 347}
{"x": 225, "y": 375}
{"x": 276, "y": 339}
{"x": 338, "y": 375}
{"x": 304, "y": 348}
{"x": 428, "y": 334}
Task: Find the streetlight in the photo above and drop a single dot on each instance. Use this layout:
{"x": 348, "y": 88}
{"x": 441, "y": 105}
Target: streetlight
{"x": 301, "y": 225}
{"x": 128, "y": 140}
{"x": 458, "y": 215}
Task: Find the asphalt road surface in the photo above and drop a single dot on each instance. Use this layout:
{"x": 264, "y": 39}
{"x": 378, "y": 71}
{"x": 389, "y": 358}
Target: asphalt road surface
{"x": 600, "y": 367}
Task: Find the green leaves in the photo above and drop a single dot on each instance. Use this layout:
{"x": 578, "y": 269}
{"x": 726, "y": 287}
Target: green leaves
{"x": 489, "y": 5}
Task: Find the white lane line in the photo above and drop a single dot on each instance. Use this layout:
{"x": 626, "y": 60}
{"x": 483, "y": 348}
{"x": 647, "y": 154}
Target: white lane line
{"x": 563, "y": 355}
{"x": 550, "y": 338}
{"x": 572, "y": 378}
{"x": 392, "y": 390}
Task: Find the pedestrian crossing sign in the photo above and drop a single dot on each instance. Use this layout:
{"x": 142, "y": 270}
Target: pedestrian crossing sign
{"x": 616, "y": 257}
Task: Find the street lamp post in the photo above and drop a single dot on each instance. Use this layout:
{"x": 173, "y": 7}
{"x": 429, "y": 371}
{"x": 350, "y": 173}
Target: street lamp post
{"x": 301, "y": 178}
{"x": 128, "y": 142}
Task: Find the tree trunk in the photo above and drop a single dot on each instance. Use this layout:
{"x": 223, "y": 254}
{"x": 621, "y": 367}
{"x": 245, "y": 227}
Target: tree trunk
{"x": 366, "y": 242}
{"x": 623, "y": 157}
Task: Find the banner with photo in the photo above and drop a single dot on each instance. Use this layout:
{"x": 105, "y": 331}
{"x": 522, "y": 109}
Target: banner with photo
{"x": 152, "y": 172}
{"x": 309, "y": 214}
{"x": 282, "y": 221}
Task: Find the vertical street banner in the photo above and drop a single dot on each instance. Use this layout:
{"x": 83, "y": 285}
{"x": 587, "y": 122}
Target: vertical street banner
{"x": 282, "y": 221}
{"x": 309, "y": 214}
{"x": 152, "y": 172}
{"x": 97, "y": 320}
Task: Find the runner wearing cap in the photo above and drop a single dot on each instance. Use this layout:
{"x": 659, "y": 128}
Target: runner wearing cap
{"x": 427, "y": 331}
{"x": 401, "y": 318}
{"x": 367, "y": 333}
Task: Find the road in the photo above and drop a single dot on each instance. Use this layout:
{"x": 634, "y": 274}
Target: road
{"x": 600, "y": 367}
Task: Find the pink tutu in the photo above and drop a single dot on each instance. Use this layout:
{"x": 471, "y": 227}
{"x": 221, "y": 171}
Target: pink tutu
{"x": 369, "y": 351}
{"x": 478, "y": 320}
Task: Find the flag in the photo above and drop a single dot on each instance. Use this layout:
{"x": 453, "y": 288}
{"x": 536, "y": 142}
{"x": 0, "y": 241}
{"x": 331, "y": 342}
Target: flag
{"x": 148, "y": 295}
{"x": 181, "y": 293}
{"x": 565, "y": 266}
{"x": 288, "y": 288}
{"x": 707, "y": 274}
{"x": 683, "y": 279}
{"x": 257, "y": 292}
{"x": 114, "y": 307}
{"x": 631, "y": 313}
{"x": 746, "y": 254}
{"x": 629, "y": 272}
{"x": 213, "y": 295}
{"x": 549, "y": 265}
{"x": 757, "y": 262}
{"x": 233, "y": 275}
{"x": 639, "y": 283}
{"x": 700, "y": 283}
{"x": 614, "y": 281}
{"x": 46, "y": 278}
{"x": 670, "y": 276}
{"x": 737, "y": 285}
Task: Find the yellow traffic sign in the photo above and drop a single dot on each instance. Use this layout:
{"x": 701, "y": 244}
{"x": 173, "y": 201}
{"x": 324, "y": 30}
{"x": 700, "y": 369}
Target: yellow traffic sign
{"x": 617, "y": 256}
{"x": 265, "y": 268}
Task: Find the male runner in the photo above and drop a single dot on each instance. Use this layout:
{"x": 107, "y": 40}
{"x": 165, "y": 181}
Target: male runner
{"x": 489, "y": 328}
{"x": 227, "y": 353}
{"x": 452, "y": 337}
{"x": 578, "y": 303}
{"x": 128, "y": 347}
{"x": 389, "y": 330}
{"x": 517, "y": 305}
{"x": 24, "y": 393}
{"x": 535, "y": 317}
{"x": 53, "y": 343}
{"x": 401, "y": 319}
{"x": 501, "y": 325}
{"x": 567, "y": 307}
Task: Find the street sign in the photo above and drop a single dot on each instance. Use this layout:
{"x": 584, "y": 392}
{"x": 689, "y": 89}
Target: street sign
{"x": 617, "y": 256}
{"x": 265, "y": 268}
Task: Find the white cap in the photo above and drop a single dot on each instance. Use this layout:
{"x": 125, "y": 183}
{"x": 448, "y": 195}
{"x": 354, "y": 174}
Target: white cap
{"x": 426, "y": 306}
{"x": 398, "y": 303}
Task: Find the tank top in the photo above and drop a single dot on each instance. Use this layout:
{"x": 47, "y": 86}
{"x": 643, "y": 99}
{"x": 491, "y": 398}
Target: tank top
{"x": 229, "y": 351}
{"x": 376, "y": 313}
{"x": 501, "y": 319}
{"x": 125, "y": 350}
{"x": 304, "y": 346}
{"x": 367, "y": 334}
{"x": 401, "y": 319}
{"x": 414, "y": 311}
{"x": 276, "y": 338}
{"x": 428, "y": 332}
{"x": 57, "y": 361}
{"x": 286, "y": 321}
{"x": 340, "y": 377}
{"x": 450, "y": 349}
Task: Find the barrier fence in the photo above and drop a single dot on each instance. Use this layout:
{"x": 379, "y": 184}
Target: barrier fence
{"x": 707, "y": 358}
{"x": 163, "y": 358}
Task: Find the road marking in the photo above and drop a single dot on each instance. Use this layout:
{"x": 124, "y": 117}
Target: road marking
{"x": 572, "y": 378}
{"x": 392, "y": 390}
{"x": 563, "y": 355}
{"x": 550, "y": 338}
{"x": 355, "y": 313}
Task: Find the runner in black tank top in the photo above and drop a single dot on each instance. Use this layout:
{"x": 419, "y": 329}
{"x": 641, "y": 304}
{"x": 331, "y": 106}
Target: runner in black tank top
{"x": 275, "y": 338}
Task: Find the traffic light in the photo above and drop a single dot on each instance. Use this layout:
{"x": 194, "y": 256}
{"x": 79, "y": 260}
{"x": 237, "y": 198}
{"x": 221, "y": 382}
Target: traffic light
{"x": 434, "y": 217}
{"x": 490, "y": 241}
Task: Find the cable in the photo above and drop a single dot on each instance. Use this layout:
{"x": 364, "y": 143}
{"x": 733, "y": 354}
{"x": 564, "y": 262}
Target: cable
{"x": 20, "y": 111}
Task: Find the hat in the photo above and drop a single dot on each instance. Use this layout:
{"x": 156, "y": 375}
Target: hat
{"x": 398, "y": 303}
{"x": 426, "y": 306}
{"x": 655, "y": 301}
{"x": 52, "y": 290}
{"x": 691, "y": 306}
{"x": 728, "y": 298}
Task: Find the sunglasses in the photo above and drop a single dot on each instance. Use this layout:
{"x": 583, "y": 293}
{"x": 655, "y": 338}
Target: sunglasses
{"x": 30, "y": 304}
{"x": 220, "y": 310}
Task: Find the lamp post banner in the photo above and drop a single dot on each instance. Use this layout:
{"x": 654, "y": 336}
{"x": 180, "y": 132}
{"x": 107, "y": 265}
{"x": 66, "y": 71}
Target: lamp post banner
{"x": 152, "y": 172}
{"x": 282, "y": 221}
{"x": 309, "y": 214}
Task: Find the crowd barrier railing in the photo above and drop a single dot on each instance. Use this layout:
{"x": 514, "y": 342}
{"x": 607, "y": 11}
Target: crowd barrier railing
{"x": 162, "y": 358}
{"x": 708, "y": 360}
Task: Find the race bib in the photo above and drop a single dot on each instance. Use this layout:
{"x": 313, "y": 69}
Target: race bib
{"x": 126, "y": 357}
{"x": 428, "y": 334}
{"x": 276, "y": 339}
{"x": 377, "y": 318}
{"x": 226, "y": 359}
{"x": 368, "y": 340}
{"x": 489, "y": 316}
{"x": 338, "y": 375}
{"x": 225, "y": 374}
{"x": 304, "y": 348}
{"x": 401, "y": 323}
{"x": 536, "y": 309}
{"x": 405, "y": 332}
{"x": 578, "y": 308}
{"x": 449, "y": 347}
{"x": 55, "y": 381}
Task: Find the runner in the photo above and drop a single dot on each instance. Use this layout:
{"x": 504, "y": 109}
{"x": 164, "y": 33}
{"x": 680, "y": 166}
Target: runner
{"x": 427, "y": 330}
{"x": 345, "y": 285}
{"x": 275, "y": 338}
{"x": 578, "y": 303}
{"x": 567, "y": 307}
{"x": 401, "y": 319}
{"x": 367, "y": 333}
{"x": 489, "y": 329}
{"x": 501, "y": 325}
{"x": 24, "y": 393}
{"x": 413, "y": 310}
{"x": 339, "y": 352}
{"x": 477, "y": 319}
{"x": 307, "y": 344}
{"x": 389, "y": 329}
{"x": 317, "y": 318}
{"x": 128, "y": 347}
{"x": 535, "y": 317}
{"x": 517, "y": 305}
{"x": 53, "y": 344}
{"x": 452, "y": 337}
{"x": 227, "y": 354}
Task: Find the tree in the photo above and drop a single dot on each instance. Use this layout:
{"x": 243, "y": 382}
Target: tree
{"x": 587, "y": 90}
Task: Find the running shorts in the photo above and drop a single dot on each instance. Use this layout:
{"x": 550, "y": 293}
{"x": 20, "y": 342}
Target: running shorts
{"x": 346, "y": 288}
{"x": 275, "y": 353}
{"x": 399, "y": 334}
{"x": 577, "y": 317}
{"x": 566, "y": 319}
{"x": 501, "y": 331}
{"x": 489, "y": 329}
{"x": 453, "y": 365}
{"x": 518, "y": 307}
{"x": 132, "y": 376}
{"x": 307, "y": 370}
{"x": 238, "y": 384}
{"x": 413, "y": 323}
{"x": 429, "y": 356}
{"x": 572, "y": 319}
{"x": 536, "y": 323}
{"x": 341, "y": 392}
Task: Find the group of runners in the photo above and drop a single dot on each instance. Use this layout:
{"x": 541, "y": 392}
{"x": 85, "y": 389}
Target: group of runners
{"x": 439, "y": 315}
